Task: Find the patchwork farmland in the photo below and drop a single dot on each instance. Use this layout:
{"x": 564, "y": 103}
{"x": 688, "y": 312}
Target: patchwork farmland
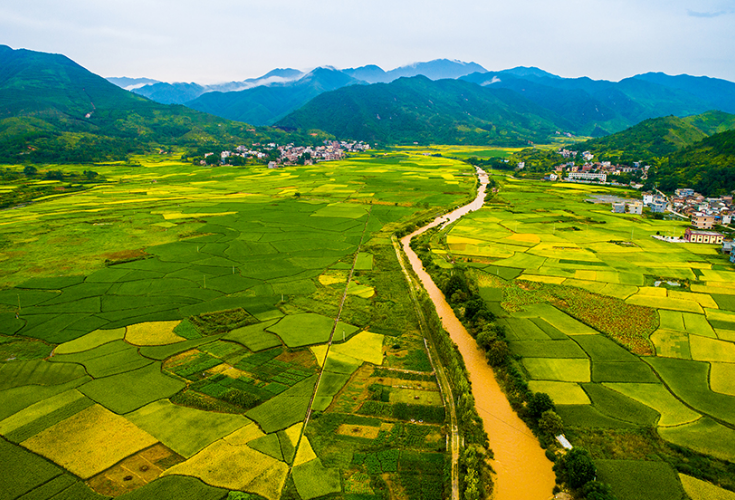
{"x": 166, "y": 333}
{"x": 632, "y": 337}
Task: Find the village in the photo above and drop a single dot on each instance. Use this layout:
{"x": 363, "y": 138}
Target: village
{"x": 284, "y": 155}
{"x": 704, "y": 214}
{"x": 595, "y": 171}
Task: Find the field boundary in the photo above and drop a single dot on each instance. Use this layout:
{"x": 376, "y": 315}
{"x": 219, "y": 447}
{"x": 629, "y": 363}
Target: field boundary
{"x": 444, "y": 387}
{"x": 329, "y": 345}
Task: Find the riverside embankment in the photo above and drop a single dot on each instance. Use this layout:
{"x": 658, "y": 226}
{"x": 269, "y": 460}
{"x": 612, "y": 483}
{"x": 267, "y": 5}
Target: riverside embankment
{"x": 522, "y": 469}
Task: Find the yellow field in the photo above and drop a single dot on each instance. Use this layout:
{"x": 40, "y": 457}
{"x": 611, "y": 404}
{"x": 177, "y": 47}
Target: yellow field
{"x": 270, "y": 483}
{"x": 555, "y": 280}
{"x": 702, "y": 299}
{"x": 566, "y": 370}
{"x": 132, "y": 473}
{"x": 363, "y": 431}
{"x": 39, "y": 410}
{"x": 707, "y": 349}
{"x": 702, "y": 490}
{"x": 658, "y": 302}
{"x": 227, "y": 466}
{"x": 333, "y": 277}
{"x": 720, "y": 315}
{"x": 365, "y": 346}
{"x": 722, "y": 378}
{"x": 652, "y": 291}
{"x": 305, "y": 452}
{"x": 671, "y": 343}
{"x": 90, "y": 341}
{"x": 90, "y": 441}
{"x": 586, "y": 275}
{"x": 294, "y": 432}
{"x": 362, "y": 291}
{"x": 153, "y": 333}
{"x": 562, "y": 393}
{"x": 244, "y": 435}
{"x": 719, "y": 288}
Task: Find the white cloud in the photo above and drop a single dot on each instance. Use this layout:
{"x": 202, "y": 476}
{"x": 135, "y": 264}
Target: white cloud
{"x": 190, "y": 40}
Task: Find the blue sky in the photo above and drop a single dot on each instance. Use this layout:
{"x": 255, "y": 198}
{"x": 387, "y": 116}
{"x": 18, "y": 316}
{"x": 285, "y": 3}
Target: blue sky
{"x": 224, "y": 40}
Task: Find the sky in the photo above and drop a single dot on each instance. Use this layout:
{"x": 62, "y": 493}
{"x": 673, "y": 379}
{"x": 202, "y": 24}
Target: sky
{"x": 229, "y": 40}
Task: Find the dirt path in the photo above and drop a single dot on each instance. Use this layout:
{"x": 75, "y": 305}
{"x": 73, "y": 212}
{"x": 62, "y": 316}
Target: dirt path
{"x": 329, "y": 344}
{"x": 444, "y": 386}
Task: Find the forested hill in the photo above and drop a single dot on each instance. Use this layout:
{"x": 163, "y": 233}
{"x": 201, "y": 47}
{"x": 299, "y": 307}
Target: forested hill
{"x": 265, "y": 105}
{"x": 657, "y": 137}
{"x": 420, "y": 110}
{"x": 680, "y": 151}
{"x": 54, "y": 110}
{"x": 707, "y": 166}
{"x": 597, "y": 107}
{"x": 646, "y": 141}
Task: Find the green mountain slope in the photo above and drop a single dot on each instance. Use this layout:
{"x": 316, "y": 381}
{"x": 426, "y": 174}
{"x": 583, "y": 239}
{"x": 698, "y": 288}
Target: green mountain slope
{"x": 421, "y": 110}
{"x": 680, "y": 150}
{"x": 718, "y": 94}
{"x": 707, "y": 166}
{"x": 265, "y": 105}
{"x": 712, "y": 122}
{"x": 597, "y": 107}
{"x": 649, "y": 139}
{"x": 54, "y": 110}
{"x": 36, "y": 83}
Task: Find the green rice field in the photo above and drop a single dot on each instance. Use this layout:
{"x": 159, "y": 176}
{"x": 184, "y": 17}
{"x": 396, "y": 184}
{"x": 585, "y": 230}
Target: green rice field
{"x": 165, "y": 333}
{"x": 575, "y": 287}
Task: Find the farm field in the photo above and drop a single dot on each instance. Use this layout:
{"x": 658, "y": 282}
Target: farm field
{"x": 578, "y": 292}
{"x": 164, "y": 334}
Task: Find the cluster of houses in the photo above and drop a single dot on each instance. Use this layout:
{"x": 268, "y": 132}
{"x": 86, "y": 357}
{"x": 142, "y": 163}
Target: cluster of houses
{"x": 704, "y": 214}
{"x": 290, "y": 153}
{"x": 656, "y": 201}
{"x": 631, "y": 207}
{"x": 710, "y": 211}
{"x": 332, "y": 150}
{"x": 593, "y": 171}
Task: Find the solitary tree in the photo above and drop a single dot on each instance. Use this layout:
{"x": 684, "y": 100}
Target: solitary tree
{"x": 497, "y": 352}
{"x": 550, "y": 423}
{"x": 575, "y": 468}
{"x": 596, "y": 490}
{"x": 538, "y": 403}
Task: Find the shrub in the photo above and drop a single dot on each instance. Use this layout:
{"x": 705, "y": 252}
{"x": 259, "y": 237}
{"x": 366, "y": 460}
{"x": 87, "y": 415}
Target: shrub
{"x": 241, "y": 399}
{"x": 550, "y": 423}
{"x": 575, "y": 468}
{"x": 596, "y": 490}
{"x": 538, "y": 403}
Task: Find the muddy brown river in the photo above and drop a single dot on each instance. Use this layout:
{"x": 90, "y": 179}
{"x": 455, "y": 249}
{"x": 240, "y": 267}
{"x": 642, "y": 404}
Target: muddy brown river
{"x": 522, "y": 470}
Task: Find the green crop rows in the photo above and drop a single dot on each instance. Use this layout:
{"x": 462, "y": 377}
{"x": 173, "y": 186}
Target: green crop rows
{"x": 574, "y": 287}
{"x": 188, "y": 307}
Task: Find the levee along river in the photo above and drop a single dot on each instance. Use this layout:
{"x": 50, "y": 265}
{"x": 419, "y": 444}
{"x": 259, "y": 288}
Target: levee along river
{"x": 522, "y": 469}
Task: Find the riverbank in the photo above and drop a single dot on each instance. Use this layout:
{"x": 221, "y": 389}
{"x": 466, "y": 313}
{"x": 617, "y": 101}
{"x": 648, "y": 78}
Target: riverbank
{"x": 522, "y": 469}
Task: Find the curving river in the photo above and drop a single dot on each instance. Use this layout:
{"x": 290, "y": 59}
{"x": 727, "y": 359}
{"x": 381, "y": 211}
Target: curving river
{"x": 522, "y": 470}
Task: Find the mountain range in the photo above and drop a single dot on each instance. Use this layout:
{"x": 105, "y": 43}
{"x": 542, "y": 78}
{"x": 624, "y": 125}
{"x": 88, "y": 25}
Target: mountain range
{"x": 580, "y": 106}
{"x": 266, "y": 104}
{"x": 421, "y": 110}
{"x": 54, "y": 110}
{"x": 266, "y": 99}
{"x": 180, "y": 93}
